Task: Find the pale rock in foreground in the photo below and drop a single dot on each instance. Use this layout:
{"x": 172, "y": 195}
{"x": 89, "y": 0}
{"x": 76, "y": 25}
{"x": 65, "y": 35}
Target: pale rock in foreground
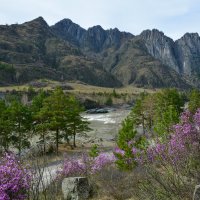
{"x": 197, "y": 193}
{"x": 76, "y": 188}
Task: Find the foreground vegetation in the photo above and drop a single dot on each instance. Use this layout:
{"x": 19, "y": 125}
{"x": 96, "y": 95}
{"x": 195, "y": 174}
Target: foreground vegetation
{"x": 156, "y": 157}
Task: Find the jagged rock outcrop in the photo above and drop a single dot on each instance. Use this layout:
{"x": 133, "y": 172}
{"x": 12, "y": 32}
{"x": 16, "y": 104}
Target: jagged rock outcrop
{"x": 188, "y": 54}
{"x": 94, "y": 39}
{"x": 161, "y": 47}
{"x": 182, "y": 55}
{"x": 97, "y": 39}
{"x": 69, "y": 31}
{"x": 132, "y": 64}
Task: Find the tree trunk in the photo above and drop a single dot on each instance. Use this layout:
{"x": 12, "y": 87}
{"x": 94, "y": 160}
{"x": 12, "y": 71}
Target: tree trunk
{"x": 57, "y": 134}
{"x": 74, "y": 134}
{"x": 74, "y": 140}
{"x": 44, "y": 143}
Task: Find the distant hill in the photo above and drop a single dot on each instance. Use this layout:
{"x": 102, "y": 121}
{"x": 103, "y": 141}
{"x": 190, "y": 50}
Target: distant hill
{"x": 109, "y": 58}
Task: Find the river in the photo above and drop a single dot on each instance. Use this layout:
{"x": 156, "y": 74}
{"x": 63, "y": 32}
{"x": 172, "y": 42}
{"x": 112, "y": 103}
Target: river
{"x": 104, "y": 127}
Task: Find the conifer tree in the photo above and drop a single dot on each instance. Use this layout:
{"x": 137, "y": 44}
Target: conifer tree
{"x": 55, "y": 114}
{"x": 5, "y": 126}
{"x": 40, "y": 124}
{"x": 21, "y": 119}
{"x": 76, "y": 123}
{"x": 126, "y": 134}
{"x": 194, "y": 100}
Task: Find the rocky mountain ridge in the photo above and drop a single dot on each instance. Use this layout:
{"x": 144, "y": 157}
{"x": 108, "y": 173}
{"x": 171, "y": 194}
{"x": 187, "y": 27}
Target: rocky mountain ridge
{"x": 110, "y": 58}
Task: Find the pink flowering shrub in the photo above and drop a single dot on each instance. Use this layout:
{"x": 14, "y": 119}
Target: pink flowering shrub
{"x": 71, "y": 167}
{"x": 183, "y": 141}
{"x": 172, "y": 166}
{"x": 14, "y": 179}
{"x": 102, "y": 160}
{"x": 119, "y": 151}
{"x": 169, "y": 168}
{"x": 85, "y": 165}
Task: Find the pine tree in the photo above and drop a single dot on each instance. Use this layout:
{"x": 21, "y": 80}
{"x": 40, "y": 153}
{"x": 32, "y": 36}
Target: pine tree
{"x": 55, "y": 114}
{"x": 138, "y": 112}
{"x": 126, "y": 134}
{"x": 168, "y": 106}
{"x": 40, "y": 118}
{"x": 194, "y": 100}
{"x": 21, "y": 119}
{"x": 76, "y": 123}
{"x": 5, "y": 126}
{"x": 164, "y": 122}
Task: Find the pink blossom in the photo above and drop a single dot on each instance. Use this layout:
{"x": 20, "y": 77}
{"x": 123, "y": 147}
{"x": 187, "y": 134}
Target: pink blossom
{"x": 14, "y": 179}
{"x": 119, "y": 151}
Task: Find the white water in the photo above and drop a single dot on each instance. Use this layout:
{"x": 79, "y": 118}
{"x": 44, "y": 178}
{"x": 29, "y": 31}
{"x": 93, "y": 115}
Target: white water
{"x": 112, "y": 117}
{"x": 105, "y": 118}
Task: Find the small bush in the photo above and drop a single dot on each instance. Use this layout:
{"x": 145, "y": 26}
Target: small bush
{"x": 14, "y": 179}
{"x": 109, "y": 101}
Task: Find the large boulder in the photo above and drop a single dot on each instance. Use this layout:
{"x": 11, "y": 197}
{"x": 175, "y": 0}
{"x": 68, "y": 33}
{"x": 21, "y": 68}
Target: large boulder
{"x": 76, "y": 188}
{"x": 197, "y": 193}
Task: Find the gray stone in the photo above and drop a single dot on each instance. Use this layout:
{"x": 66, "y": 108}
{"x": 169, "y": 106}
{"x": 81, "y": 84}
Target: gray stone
{"x": 197, "y": 193}
{"x": 76, "y": 188}
{"x": 94, "y": 39}
{"x": 160, "y": 47}
{"x": 188, "y": 50}
{"x": 181, "y": 55}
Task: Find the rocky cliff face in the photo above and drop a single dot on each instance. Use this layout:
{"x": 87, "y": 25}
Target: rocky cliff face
{"x": 182, "y": 55}
{"x": 132, "y": 64}
{"x": 97, "y": 39}
{"x": 69, "y": 31}
{"x": 188, "y": 54}
{"x": 94, "y": 39}
{"x": 160, "y": 47}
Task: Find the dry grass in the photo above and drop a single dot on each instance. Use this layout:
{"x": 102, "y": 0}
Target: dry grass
{"x": 81, "y": 88}
{"x": 82, "y": 91}
{"x": 114, "y": 184}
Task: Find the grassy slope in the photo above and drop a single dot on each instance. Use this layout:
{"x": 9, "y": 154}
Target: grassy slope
{"x": 81, "y": 88}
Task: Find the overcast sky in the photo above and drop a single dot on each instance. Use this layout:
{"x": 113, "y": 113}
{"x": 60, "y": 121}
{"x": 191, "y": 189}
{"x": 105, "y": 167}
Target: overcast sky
{"x": 173, "y": 17}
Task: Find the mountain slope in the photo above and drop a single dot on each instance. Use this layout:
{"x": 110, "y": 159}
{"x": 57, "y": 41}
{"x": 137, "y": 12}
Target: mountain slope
{"x": 103, "y": 45}
{"x": 35, "y": 51}
{"x": 132, "y": 64}
{"x": 110, "y": 58}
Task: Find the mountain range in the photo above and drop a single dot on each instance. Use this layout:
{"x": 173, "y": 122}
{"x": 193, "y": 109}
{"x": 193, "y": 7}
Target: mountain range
{"x": 110, "y": 58}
